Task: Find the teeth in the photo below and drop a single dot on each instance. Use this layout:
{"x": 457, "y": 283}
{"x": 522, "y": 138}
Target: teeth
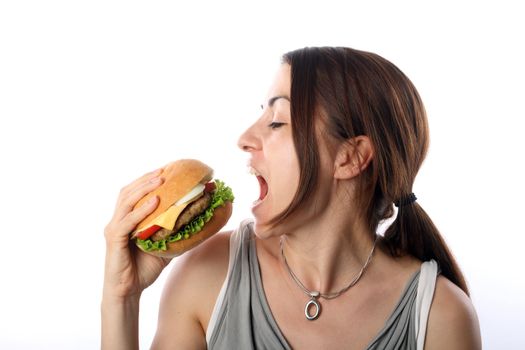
{"x": 252, "y": 171}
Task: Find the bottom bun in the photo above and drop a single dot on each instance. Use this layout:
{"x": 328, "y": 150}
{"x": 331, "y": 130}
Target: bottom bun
{"x": 220, "y": 217}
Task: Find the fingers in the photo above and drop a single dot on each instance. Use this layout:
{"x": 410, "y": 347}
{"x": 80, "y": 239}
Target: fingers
{"x": 140, "y": 181}
{"x": 130, "y": 221}
{"x": 119, "y": 228}
{"x": 125, "y": 218}
{"x": 129, "y": 198}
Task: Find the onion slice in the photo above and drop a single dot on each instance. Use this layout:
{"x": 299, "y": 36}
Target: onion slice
{"x": 195, "y": 193}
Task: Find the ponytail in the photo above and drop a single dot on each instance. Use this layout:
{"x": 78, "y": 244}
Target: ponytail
{"x": 414, "y": 233}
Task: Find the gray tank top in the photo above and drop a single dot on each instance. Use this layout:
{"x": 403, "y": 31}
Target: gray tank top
{"x": 242, "y": 318}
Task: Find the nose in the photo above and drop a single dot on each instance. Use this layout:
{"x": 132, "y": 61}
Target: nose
{"x": 248, "y": 141}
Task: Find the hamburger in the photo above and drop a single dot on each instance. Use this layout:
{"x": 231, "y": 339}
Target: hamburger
{"x": 192, "y": 207}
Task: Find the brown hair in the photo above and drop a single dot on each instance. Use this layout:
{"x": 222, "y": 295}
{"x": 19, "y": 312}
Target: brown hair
{"x": 360, "y": 93}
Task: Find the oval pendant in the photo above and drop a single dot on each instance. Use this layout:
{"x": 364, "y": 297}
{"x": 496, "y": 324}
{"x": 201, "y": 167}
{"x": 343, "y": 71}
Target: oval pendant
{"x": 317, "y": 306}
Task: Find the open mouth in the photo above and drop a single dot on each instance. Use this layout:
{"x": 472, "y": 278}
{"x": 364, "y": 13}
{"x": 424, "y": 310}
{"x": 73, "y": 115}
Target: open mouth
{"x": 263, "y": 185}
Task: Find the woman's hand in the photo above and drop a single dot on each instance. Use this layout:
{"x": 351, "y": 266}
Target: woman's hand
{"x": 128, "y": 270}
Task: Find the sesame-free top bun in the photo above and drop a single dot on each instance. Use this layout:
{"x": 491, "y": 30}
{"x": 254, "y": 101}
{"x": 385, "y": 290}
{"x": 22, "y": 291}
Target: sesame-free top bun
{"x": 180, "y": 177}
{"x": 220, "y": 217}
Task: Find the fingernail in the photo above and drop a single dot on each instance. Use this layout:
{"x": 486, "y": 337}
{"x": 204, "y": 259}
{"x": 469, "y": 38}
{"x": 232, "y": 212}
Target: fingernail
{"x": 156, "y": 172}
{"x": 152, "y": 200}
{"x": 155, "y": 180}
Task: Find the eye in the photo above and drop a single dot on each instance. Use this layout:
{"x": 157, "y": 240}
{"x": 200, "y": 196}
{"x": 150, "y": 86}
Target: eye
{"x": 275, "y": 125}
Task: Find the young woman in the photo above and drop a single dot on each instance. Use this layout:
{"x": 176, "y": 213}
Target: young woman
{"x": 337, "y": 147}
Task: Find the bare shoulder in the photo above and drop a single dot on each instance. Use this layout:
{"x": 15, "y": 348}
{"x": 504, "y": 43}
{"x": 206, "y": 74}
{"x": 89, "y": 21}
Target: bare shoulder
{"x": 453, "y": 323}
{"x": 190, "y": 293}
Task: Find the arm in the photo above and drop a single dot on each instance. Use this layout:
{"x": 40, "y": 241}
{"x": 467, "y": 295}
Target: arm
{"x": 120, "y": 323}
{"x": 128, "y": 271}
{"x": 190, "y": 294}
{"x": 452, "y": 323}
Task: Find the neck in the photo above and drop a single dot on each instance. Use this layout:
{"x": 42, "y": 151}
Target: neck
{"x": 326, "y": 255}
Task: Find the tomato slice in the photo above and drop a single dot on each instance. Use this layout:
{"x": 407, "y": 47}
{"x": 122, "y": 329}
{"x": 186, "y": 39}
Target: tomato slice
{"x": 148, "y": 232}
{"x": 210, "y": 187}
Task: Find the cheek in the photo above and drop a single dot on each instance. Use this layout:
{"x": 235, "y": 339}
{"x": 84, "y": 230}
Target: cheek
{"x": 287, "y": 155}
{"x": 287, "y": 178}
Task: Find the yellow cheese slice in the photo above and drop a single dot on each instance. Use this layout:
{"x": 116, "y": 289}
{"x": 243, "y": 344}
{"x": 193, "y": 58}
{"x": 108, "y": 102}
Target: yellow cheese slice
{"x": 169, "y": 217}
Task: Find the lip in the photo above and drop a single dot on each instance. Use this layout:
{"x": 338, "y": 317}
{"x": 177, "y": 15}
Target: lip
{"x": 252, "y": 169}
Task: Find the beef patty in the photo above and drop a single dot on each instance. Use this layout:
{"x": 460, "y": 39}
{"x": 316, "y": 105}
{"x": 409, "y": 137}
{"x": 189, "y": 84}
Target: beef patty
{"x": 189, "y": 213}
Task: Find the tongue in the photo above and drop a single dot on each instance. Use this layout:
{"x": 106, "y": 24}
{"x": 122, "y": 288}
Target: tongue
{"x": 264, "y": 187}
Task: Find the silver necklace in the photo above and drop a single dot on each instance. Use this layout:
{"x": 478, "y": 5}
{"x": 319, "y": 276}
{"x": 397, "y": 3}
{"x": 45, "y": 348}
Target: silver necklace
{"x": 315, "y": 295}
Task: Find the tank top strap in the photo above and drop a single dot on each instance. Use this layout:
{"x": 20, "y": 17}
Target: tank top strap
{"x": 236, "y": 239}
{"x": 425, "y": 293}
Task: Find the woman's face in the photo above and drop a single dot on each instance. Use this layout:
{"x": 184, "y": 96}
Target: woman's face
{"x": 272, "y": 153}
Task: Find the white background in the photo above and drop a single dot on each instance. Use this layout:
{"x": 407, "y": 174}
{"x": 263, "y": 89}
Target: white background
{"x": 95, "y": 93}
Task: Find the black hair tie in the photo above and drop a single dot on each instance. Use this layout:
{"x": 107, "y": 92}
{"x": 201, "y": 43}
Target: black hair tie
{"x": 411, "y": 198}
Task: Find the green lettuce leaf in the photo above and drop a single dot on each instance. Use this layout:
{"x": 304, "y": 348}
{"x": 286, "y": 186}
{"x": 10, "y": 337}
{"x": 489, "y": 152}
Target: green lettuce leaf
{"x": 221, "y": 195}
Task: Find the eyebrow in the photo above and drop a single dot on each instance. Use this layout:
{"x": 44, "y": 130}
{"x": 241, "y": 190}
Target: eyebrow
{"x": 272, "y": 100}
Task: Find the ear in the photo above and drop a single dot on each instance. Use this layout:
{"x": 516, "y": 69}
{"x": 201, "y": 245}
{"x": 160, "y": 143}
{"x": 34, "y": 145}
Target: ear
{"x": 353, "y": 157}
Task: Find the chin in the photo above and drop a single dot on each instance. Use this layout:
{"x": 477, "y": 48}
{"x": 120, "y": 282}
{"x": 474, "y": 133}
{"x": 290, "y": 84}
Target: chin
{"x": 262, "y": 229}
